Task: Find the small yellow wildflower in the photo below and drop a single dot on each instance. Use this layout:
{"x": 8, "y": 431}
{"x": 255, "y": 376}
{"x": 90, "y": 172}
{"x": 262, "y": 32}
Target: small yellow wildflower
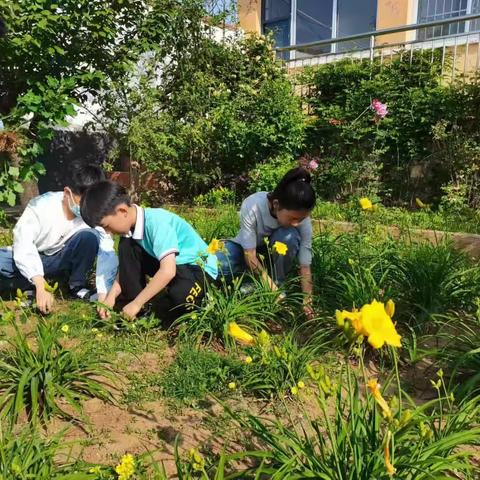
{"x": 239, "y": 334}
{"x": 374, "y": 388}
{"x": 248, "y": 359}
{"x": 294, "y": 390}
{"x": 232, "y": 386}
{"x": 280, "y": 247}
{"x": 198, "y": 462}
{"x": 386, "y": 455}
{"x": 365, "y": 203}
{"x": 65, "y": 328}
{"x": 215, "y": 246}
{"x": 301, "y": 384}
{"x": 126, "y": 468}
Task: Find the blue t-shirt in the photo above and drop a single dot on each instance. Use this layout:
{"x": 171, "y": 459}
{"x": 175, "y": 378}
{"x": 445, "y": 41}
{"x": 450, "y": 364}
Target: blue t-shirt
{"x": 165, "y": 233}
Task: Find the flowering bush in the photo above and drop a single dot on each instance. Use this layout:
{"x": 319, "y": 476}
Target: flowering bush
{"x": 419, "y": 137}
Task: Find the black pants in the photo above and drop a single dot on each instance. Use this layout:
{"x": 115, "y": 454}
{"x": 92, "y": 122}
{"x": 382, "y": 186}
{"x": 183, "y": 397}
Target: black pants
{"x": 185, "y": 290}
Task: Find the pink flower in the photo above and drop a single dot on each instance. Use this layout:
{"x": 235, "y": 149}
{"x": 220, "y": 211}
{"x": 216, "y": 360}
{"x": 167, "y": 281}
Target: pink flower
{"x": 312, "y": 165}
{"x": 379, "y": 108}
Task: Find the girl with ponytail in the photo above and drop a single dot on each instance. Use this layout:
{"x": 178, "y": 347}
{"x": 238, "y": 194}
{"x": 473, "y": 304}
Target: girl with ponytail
{"x": 283, "y": 217}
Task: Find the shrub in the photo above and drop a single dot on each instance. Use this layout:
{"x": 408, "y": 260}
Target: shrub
{"x": 428, "y": 140}
{"x": 220, "y": 109}
{"x": 265, "y": 176}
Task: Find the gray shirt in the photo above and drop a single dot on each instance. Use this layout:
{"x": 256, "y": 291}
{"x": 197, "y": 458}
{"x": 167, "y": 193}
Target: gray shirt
{"x": 256, "y": 223}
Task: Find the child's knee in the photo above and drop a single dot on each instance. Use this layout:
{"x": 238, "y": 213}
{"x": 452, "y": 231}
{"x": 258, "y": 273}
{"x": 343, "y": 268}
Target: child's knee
{"x": 288, "y": 236}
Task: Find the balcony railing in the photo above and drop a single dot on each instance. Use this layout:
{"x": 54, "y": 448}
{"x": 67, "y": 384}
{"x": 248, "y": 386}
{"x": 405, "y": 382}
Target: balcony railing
{"x": 463, "y": 48}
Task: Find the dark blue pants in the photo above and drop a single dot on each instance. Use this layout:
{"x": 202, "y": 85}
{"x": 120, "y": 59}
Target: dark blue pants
{"x": 232, "y": 262}
{"x": 74, "y": 261}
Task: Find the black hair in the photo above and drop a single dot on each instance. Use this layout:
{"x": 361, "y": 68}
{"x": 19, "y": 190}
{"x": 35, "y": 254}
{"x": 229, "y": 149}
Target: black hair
{"x": 3, "y": 28}
{"x": 294, "y": 191}
{"x": 83, "y": 177}
{"x": 100, "y": 200}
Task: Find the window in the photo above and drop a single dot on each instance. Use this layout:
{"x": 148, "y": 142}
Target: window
{"x": 277, "y": 19}
{"x": 305, "y": 21}
{"x": 431, "y": 10}
{"x": 356, "y": 17}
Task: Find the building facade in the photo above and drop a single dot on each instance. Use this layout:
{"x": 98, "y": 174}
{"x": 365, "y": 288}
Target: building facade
{"x": 297, "y": 22}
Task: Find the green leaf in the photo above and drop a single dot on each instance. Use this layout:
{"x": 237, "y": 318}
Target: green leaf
{"x": 14, "y": 171}
{"x": 11, "y": 198}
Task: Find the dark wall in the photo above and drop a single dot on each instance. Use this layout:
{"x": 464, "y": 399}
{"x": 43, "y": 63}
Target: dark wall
{"x": 68, "y": 148}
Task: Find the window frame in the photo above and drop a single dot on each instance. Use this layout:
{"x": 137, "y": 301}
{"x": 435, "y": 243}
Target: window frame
{"x": 293, "y": 23}
{"x": 416, "y": 11}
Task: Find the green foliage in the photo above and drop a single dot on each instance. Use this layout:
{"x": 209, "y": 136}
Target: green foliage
{"x": 427, "y": 140}
{"x": 196, "y": 373}
{"x": 221, "y": 108}
{"x": 225, "y": 304}
{"x": 54, "y": 54}
{"x": 279, "y": 365}
{"x": 27, "y": 455}
{"x": 349, "y": 438}
{"x": 434, "y": 280}
{"x": 33, "y": 379}
{"x": 217, "y": 197}
{"x": 424, "y": 280}
{"x": 265, "y": 176}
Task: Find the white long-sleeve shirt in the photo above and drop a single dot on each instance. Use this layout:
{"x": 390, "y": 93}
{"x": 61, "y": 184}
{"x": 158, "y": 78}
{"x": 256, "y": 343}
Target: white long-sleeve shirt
{"x": 43, "y": 228}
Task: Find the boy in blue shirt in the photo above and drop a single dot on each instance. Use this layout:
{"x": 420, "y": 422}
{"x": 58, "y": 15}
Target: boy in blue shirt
{"x": 155, "y": 243}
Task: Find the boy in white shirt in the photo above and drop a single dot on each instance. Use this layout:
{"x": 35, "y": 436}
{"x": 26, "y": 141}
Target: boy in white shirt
{"x": 51, "y": 239}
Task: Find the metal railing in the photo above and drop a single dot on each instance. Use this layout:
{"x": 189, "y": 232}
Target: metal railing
{"x": 464, "y": 47}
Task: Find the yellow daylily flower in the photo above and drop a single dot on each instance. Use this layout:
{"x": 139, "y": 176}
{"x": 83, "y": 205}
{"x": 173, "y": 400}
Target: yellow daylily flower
{"x": 377, "y": 325}
{"x": 239, "y": 334}
{"x": 365, "y": 203}
{"x": 386, "y": 455}
{"x": 126, "y": 468}
{"x": 215, "y": 246}
{"x": 374, "y": 388}
{"x": 280, "y": 247}
{"x": 390, "y": 308}
{"x": 354, "y": 318}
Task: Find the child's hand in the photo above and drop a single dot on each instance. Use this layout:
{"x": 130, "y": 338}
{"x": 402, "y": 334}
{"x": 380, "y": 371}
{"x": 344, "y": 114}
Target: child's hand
{"x": 107, "y": 301}
{"x": 308, "y": 308}
{"x": 131, "y": 309}
{"x": 45, "y": 300}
